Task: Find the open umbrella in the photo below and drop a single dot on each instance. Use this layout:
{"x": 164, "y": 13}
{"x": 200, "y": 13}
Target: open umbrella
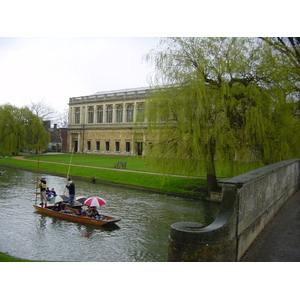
{"x": 81, "y": 199}
{"x": 94, "y": 201}
{"x": 66, "y": 198}
{"x": 56, "y": 199}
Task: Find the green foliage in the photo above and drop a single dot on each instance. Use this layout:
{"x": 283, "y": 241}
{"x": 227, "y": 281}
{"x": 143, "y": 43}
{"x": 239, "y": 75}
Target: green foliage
{"x": 223, "y": 99}
{"x": 20, "y": 129}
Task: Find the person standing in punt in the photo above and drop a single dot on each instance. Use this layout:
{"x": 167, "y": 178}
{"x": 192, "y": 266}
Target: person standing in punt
{"x": 43, "y": 187}
{"x": 71, "y": 188}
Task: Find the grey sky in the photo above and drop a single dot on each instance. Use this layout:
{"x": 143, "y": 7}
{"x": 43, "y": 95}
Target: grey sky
{"x": 56, "y": 69}
{"x": 65, "y": 66}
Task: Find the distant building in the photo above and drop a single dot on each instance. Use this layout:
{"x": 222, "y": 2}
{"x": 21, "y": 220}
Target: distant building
{"x": 104, "y": 123}
{"x": 55, "y": 144}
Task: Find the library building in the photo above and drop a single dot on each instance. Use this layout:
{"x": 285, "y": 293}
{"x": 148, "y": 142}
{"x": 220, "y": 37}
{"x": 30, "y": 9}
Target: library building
{"x": 106, "y": 123}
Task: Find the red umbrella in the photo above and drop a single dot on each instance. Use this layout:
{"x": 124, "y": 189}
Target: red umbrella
{"x": 94, "y": 201}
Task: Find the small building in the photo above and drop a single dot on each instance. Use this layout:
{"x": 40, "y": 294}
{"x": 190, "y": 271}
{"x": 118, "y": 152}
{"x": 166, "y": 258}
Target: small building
{"x": 105, "y": 123}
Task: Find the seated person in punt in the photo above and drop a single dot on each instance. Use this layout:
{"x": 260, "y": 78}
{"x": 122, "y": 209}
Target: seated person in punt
{"x": 51, "y": 194}
{"x": 92, "y": 212}
{"x": 57, "y": 206}
{"x": 65, "y": 210}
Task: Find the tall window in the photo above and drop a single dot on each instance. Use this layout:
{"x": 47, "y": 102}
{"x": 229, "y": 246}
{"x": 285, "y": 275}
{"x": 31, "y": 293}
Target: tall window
{"x": 77, "y": 116}
{"x": 129, "y": 113}
{"x": 97, "y": 145}
{"x": 100, "y": 114}
{"x": 139, "y": 148}
{"x": 91, "y": 115}
{"x": 117, "y": 146}
{"x": 127, "y": 146}
{"x": 109, "y": 114}
{"x": 89, "y": 145}
{"x": 106, "y": 146}
{"x": 140, "y": 115}
{"x": 119, "y": 113}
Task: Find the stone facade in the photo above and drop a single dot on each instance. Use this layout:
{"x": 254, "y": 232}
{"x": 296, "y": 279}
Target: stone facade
{"x": 106, "y": 123}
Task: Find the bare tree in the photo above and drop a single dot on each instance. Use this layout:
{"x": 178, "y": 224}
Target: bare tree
{"x": 43, "y": 110}
{"x": 62, "y": 118}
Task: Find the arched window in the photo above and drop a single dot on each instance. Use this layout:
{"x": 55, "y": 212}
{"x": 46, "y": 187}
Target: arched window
{"x": 77, "y": 116}
{"x": 129, "y": 113}
{"x": 100, "y": 114}
{"x": 91, "y": 115}
{"x": 109, "y": 114}
{"x": 119, "y": 113}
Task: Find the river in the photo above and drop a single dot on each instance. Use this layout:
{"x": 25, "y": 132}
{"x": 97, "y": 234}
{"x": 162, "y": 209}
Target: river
{"x": 141, "y": 235}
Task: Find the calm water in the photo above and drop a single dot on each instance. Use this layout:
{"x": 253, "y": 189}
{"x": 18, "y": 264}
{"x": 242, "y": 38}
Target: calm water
{"x": 141, "y": 235}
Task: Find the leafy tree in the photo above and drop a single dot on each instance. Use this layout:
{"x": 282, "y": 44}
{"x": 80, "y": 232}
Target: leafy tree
{"x": 34, "y": 131}
{"x": 20, "y": 129}
{"x": 9, "y": 133}
{"x": 289, "y": 47}
{"x": 219, "y": 98}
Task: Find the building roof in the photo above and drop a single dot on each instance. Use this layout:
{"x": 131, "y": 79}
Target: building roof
{"x": 133, "y": 93}
{"x": 124, "y": 91}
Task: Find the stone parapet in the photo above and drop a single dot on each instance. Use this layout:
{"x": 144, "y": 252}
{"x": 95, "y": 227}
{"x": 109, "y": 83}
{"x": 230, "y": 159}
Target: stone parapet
{"x": 249, "y": 201}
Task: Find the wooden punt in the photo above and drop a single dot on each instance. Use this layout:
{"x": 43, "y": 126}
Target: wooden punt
{"x": 76, "y": 218}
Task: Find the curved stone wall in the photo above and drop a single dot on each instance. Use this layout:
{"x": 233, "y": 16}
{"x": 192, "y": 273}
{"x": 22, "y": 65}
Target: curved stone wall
{"x": 249, "y": 201}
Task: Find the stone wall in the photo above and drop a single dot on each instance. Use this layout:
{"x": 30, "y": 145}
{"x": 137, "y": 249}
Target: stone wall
{"x": 249, "y": 201}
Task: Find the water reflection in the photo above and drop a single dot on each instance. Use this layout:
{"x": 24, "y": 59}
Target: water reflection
{"x": 42, "y": 222}
{"x": 141, "y": 235}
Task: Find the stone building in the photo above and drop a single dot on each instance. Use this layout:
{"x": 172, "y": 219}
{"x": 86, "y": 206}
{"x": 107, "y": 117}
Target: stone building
{"x": 105, "y": 123}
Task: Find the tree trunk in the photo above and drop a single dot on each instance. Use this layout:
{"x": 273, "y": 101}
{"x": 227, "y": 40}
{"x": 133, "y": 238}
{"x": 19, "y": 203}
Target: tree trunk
{"x": 211, "y": 177}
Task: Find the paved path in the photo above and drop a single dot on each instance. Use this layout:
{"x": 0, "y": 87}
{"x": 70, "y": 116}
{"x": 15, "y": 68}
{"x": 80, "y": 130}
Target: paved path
{"x": 280, "y": 239}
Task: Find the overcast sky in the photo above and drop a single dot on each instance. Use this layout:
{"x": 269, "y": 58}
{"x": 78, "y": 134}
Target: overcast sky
{"x": 42, "y": 56}
{"x": 55, "y": 69}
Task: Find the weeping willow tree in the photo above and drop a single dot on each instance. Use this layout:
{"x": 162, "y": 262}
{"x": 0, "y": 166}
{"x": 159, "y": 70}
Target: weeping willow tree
{"x": 20, "y": 129}
{"x": 220, "y": 99}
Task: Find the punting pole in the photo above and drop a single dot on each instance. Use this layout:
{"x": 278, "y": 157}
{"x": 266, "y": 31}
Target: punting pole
{"x": 68, "y": 174}
{"x": 38, "y": 173}
{"x": 70, "y": 163}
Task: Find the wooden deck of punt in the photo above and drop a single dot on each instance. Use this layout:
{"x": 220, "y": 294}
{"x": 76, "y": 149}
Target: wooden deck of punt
{"x": 75, "y": 218}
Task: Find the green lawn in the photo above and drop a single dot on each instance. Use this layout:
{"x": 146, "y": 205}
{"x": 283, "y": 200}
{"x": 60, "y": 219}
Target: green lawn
{"x": 133, "y": 163}
{"x": 223, "y": 169}
{"x": 83, "y": 165}
{"x": 194, "y": 187}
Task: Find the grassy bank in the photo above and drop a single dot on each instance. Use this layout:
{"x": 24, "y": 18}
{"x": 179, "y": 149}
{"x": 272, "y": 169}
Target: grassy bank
{"x": 87, "y": 167}
{"x": 7, "y": 258}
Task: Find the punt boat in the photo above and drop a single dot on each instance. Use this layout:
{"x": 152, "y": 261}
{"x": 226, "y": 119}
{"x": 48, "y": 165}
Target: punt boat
{"x": 71, "y": 215}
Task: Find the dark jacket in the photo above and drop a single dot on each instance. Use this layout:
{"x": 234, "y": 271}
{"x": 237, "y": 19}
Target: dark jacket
{"x": 71, "y": 188}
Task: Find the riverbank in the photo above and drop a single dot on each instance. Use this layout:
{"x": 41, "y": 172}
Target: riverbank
{"x": 134, "y": 176}
{"x": 7, "y": 258}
